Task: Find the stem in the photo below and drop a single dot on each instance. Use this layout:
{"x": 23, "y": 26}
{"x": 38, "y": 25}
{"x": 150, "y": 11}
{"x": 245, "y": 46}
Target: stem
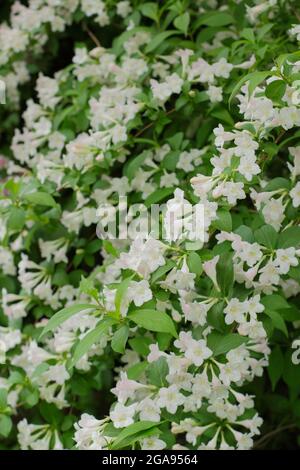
{"x": 273, "y": 433}
{"x": 91, "y": 35}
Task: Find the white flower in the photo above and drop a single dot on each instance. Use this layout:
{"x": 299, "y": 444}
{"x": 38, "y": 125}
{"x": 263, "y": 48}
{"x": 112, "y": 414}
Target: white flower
{"x": 210, "y": 268}
{"x": 152, "y": 443}
{"x": 222, "y": 68}
{"x": 202, "y": 185}
{"x": 248, "y": 168}
{"x": 285, "y": 258}
{"x": 122, "y": 416}
{"x": 139, "y": 292}
{"x": 124, "y": 8}
{"x": 170, "y": 398}
{"x": 295, "y": 195}
{"x": 162, "y": 91}
{"x": 126, "y": 388}
{"x": 89, "y": 433}
{"x": 269, "y": 274}
{"x": 253, "y": 306}
{"x": 215, "y": 94}
{"x": 273, "y": 213}
{"x": 234, "y": 312}
{"x": 197, "y": 352}
{"x": 149, "y": 410}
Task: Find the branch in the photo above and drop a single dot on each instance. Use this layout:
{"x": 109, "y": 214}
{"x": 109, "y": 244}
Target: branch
{"x": 273, "y": 433}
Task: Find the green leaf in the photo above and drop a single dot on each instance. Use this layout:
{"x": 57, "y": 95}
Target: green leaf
{"x": 3, "y": 398}
{"x": 215, "y": 316}
{"x": 290, "y": 314}
{"x": 276, "y": 183}
{"x": 158, "y": 196}
{"x": 248, "y": 34}
{"x": 30, "y": 396}
{"x": 162, "y": 270}
{"x": 5, "y": 425}
{"x": 16, "y": 219}
{"x": 40, "y": 198}
{"x": 182, "y": 22}
{"x": 121, "y": 292}
{"x": 90, "y": 338}
{"x": 119, "y": 339}
{"x": 245, "y": 233}
{"x": 153, "y": 320}
{"x": 140, "y": 345}
{"x": 222, "y": 115}
{"x": 224, "y": 220}
{"x": 289, "y": 237}
{"x": 214, "y": 18}
{"x": 158, "y": 39}
{"x": 39, "y": 370}
{"x": 194, "y": 263}
{"x": 134, "y": 164}
{"x": 225, "y": 275}
{"x": 254, "y": 79}
{"x": 132, "y": 431}
{"x": 220, "y": 344}
{"x": 150, "y": 10}
{"x": 266, "y": 236}
{"x": 135, "y": 371}
{"x": 291, "y": 57}
{"x": 64, "y": 315}
{"x": 277, "y": 320}
{"x": 87, "y": 287}
{"x": 275, "y": 302}
{"x": 157, "y": 372}
{"x": 276, "y": 365}
{"x": 291, "y": 377}
{"x": 275, "y": 90}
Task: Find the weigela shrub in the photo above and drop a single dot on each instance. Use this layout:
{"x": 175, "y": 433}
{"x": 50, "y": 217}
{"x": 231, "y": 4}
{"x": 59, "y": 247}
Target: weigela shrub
{"x": 151, "y": 342}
